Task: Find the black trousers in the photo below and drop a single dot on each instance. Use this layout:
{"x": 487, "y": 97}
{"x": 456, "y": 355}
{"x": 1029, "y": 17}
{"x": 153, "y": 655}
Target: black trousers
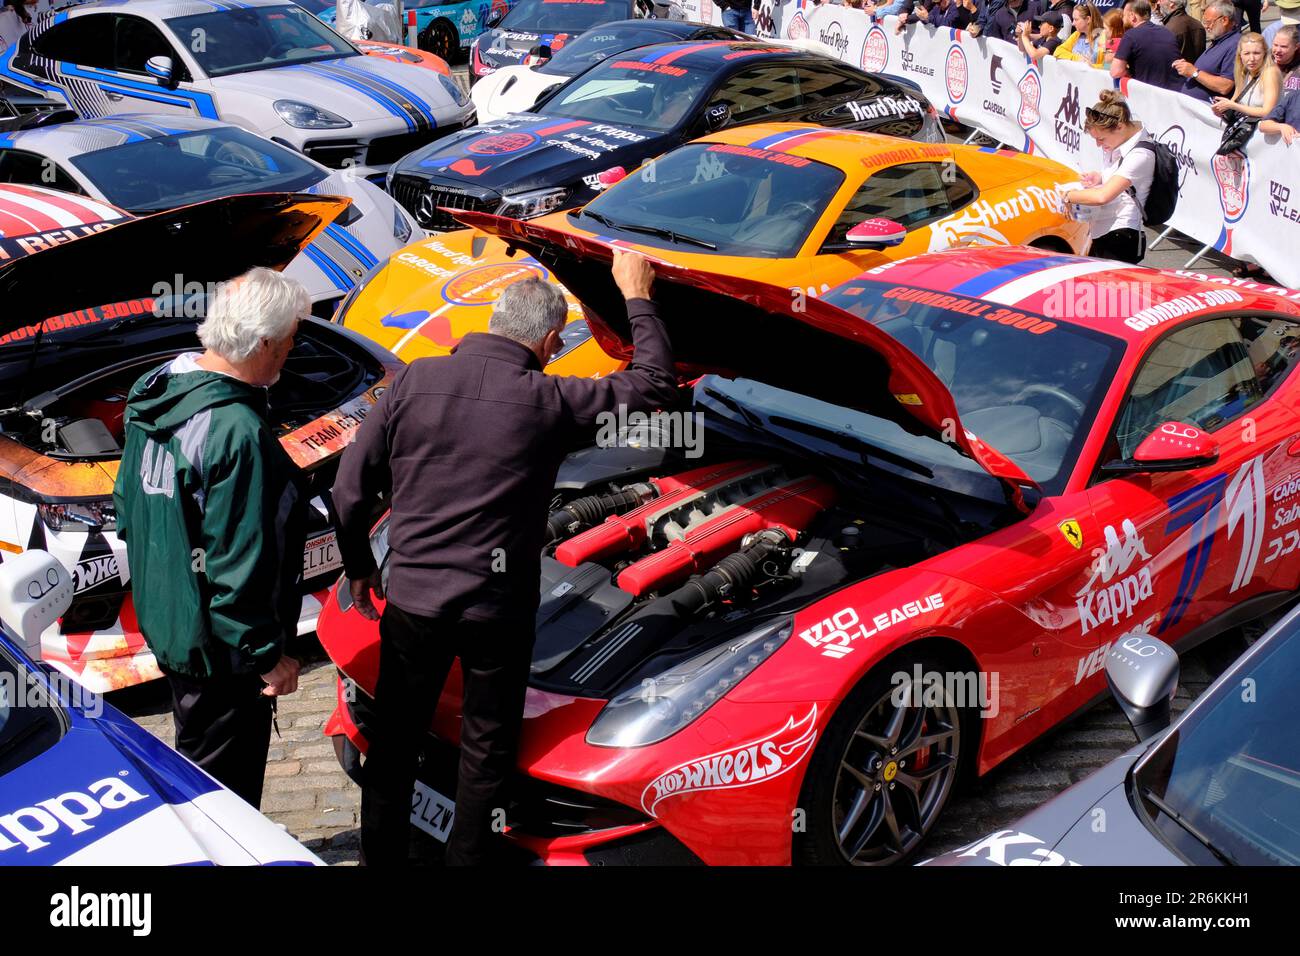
{"x": 415, "y": 654}
{"x": 223, "y": 724}
{"x": 1126, "y": 245}
{"x": 1251, "y": 10}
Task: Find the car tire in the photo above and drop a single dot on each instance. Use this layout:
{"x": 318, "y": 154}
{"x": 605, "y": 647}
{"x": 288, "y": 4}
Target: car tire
{"x": 848, "y": 777}
{"x": 441, "y": 38}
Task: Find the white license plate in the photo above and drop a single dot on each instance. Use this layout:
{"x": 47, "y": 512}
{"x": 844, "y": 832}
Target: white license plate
{"x": 432, "y": 812}
{"x": 321, "y": 555}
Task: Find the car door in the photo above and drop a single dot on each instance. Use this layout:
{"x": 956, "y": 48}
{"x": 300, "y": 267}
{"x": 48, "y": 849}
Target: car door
{"x": 1182, "y": 548}
{"x": 914, "y": 195}
{"x": 99, "y": 62}
{"x": 33, "y": 169}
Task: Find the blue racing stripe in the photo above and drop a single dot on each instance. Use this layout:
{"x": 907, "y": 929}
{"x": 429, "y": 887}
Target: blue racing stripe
{"x": 988, "y": 281}
{"x": 383, "y": 101}
{"x": 401, "y": 91}
{"x": 326, "y": 265}
{"x": 352, "y": 244}
{"x": 767, "y": 142}
{"x": 200, "y": 101}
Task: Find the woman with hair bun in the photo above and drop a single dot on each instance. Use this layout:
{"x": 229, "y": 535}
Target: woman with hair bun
{"x": 1119, "y": 191}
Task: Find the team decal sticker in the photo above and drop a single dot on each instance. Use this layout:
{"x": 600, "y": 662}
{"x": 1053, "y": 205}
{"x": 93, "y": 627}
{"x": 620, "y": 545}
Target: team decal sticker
{"x": 1013, "y": 848}
{"x": 742, "y": 766}
{"x": 977, "y": 224}
{"x": 1116, "y": 587}
{"x": 834, "y": 635}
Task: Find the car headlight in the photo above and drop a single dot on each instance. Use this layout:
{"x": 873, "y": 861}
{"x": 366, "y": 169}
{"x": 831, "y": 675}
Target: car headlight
{"x": 532, "y": 204}
{"x": 401, "y": 225}
{"x": 305, "y": 116}
{"x": 379, "y": 550}
{"x": 453, "y": 89}
{"x": 93, "y": 514}
{"x": 663, "y": 705}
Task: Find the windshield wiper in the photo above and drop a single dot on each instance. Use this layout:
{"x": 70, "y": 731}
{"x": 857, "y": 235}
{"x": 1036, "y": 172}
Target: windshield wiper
{"x": 851, "y": 442}
{"x": 1221, "y": 855}
{"x": 658, "y": 231}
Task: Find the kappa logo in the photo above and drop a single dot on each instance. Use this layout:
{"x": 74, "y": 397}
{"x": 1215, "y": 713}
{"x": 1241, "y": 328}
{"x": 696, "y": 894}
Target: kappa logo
{"x": 742, "y": 766}
{"x": 1031, "y": 96}
{"x": 33, "y": 826}
{"x": 1104, "y": 600}
{"x": 1067, "y": 126}
{"x": 875, "y": 51}
{"x": 956, "y": 73}
{"x": 1232, "y": 173}
{"x": 91, "y": 572}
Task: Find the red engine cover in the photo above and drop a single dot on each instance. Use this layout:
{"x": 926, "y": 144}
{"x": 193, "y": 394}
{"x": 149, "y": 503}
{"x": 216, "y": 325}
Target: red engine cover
{"x": 622, "y": 533}
{"x": 788, "y": 507}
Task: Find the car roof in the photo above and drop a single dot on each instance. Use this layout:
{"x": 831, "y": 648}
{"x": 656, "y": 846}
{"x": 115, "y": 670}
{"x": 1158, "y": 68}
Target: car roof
{"x": 76, "y": 137}
{"x": 161, "y": 8}
{"x": 711, "y": 56}
{"x": 1133, "y": 303}
{"x": 680, "y": 28}
{"x": 847, "y": 149}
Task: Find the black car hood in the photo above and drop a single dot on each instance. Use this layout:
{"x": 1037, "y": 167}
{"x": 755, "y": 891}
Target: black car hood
{"x": 505, "y": 47}
{"x": 531, "y": 151}
{"x": 204, "y": 243}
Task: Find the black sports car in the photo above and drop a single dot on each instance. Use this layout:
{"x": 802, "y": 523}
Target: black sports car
{"x": 548, "y": 23}
{"x": 627, "y": 109}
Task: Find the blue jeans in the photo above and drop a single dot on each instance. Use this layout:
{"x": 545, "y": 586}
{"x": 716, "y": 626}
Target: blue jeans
{"x": 742, "y": 20}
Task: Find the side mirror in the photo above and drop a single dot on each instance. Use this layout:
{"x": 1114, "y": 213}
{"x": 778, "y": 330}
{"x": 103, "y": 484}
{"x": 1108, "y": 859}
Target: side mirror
{"x": 160, "y": 68}
{"x": 538, "y": 55}
{"x": 717, "y": 116}
{"x": 35, "y": 591}
{"x": 611, "y": 176}
{"x": 877, "y": 233}
{"x": 1142, "y": 673}
{"x": 1173, "y": 446}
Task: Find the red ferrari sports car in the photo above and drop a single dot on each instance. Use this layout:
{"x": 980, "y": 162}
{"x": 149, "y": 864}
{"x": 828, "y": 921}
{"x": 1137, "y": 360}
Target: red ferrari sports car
{"x": 921, "y": 509}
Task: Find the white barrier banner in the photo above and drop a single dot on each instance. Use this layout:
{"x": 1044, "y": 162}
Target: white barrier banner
{"x": 1246, "y": 207}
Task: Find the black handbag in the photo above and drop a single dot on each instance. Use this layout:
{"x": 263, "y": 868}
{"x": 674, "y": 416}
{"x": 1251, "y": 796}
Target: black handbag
{"x": 1238, "y": 130}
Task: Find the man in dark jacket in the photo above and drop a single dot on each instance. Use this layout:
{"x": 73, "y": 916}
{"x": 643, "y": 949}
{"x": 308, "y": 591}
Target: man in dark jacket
{"x": 465, "y": 448}
{"x": 208, "y": 504}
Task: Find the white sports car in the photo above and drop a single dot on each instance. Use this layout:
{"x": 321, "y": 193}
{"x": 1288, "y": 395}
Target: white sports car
{"x": 266, "y": 65}
{"x": 146, "y": 163}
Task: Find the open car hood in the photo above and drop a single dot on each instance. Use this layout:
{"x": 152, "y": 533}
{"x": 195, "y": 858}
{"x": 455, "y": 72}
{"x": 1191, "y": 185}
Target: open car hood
{"x": 734, "y": 326}
{"x": 204, "y": 243}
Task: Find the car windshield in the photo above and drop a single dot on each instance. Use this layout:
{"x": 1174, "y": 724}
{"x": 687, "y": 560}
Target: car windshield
{"x": 1028, "y": 386}
{"x": 29, "y": 720}
{"x": 630, "y": 93}
{"x": 319, "y": 6}
{"x": 564, "y": 16}
{"x": 741, "y": 200}
{"x": 1231, "y": 768}
{"x": 257, "y": 38}
{"x": 596, "y": 45}
{"x": 170, "y": 171}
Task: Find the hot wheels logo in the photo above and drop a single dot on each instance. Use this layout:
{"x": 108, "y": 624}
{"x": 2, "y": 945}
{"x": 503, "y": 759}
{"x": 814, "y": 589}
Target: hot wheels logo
{"x": 956, "y": 73}
{"x": 1031, "y": 95}
{"x": 736, "y": 767}
{"x": 875, "y": 51}
{"x": 1232, "y": 172}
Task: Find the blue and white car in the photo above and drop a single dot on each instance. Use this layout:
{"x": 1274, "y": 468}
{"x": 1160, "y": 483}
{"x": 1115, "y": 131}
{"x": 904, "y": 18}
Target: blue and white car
{"x": 146, "y": 163}
{"x": 81, "y": 784}
{"x": 266, "y": 65}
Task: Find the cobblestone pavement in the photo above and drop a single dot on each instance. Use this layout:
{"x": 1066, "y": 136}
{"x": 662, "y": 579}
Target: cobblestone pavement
{"x": 308, "y": 793}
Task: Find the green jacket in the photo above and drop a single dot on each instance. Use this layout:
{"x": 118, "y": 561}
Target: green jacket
{"x": 211, "y": 511}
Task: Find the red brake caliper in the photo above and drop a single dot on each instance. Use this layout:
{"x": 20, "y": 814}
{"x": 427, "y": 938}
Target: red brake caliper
{"x": 921, "y": 759}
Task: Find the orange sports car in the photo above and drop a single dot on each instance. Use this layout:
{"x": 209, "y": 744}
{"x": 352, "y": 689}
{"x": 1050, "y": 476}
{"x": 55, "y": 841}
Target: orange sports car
{"x": 800, "y": 206}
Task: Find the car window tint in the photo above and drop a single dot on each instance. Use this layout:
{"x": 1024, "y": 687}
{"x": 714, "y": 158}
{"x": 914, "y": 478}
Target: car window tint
{"x": 961, "y": 190}
{"x": 85, "y": 41}
{"x": 1274, "y": 346}
{"x": 911, "y": 194}
{"x": 32, "y": 169}
{"x": 136, "y": 41}
{"x": 754, "y": 94}
{"x": 1201, "y": 375}
{"x": 825, "y": 84}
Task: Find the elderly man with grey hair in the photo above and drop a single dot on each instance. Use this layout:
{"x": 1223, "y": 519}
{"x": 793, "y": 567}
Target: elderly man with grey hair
{"x": 1211, "y": 73}
{"x": 210, "y": 509}
{"x": 465, "y": 449}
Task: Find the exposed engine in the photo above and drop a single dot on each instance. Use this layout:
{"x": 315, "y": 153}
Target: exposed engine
{"x": 647, "y": 571}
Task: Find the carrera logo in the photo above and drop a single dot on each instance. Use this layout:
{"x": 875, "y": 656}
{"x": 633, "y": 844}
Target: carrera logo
{"x": 875, "y": 51}
{"x": 736, "y": 767}
{"x": 94, "y": 571}
{"x": 1031, "y": 95}
{"x": 32, "y": 826}
{"x": 1232, "y": 173}
{"x": 956, "y": 73}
